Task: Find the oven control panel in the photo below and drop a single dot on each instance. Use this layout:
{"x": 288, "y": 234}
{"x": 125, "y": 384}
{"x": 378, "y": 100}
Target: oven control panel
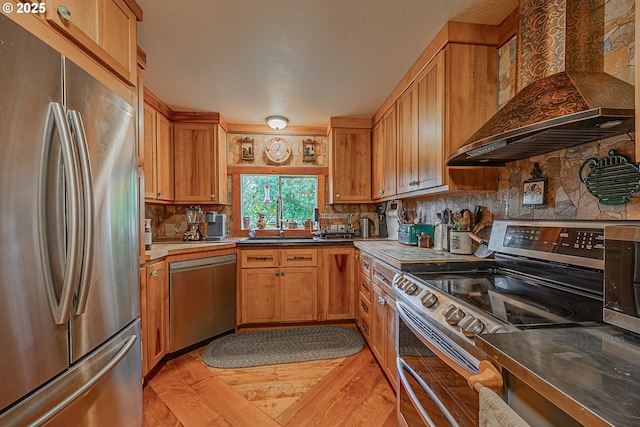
{"x": 575, "y": 241}
{"x": 454, "y": 315}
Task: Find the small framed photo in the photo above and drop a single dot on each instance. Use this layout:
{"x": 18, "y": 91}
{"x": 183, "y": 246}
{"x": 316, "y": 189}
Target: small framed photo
{"x": 247, "y": 150}
{"x": 534, "y": 194}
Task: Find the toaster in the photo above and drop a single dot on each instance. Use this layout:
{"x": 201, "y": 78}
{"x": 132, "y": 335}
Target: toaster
{"x": 408, "y": 233}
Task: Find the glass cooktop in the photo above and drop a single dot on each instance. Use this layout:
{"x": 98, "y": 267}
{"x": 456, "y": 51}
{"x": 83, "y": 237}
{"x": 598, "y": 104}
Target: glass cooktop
{"x": 521, "y": 302}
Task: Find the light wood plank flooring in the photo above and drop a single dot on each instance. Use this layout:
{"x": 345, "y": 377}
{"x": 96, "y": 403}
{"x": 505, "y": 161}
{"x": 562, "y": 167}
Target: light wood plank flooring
{"x": 350, "y": 391}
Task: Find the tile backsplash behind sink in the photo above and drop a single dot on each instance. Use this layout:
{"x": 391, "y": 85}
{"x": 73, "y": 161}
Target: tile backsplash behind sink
{"x": 170, "y": 222}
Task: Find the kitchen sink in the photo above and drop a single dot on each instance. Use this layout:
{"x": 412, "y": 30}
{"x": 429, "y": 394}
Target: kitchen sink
{"x": 290, "y": 241}
{"x": 280, "y": 238}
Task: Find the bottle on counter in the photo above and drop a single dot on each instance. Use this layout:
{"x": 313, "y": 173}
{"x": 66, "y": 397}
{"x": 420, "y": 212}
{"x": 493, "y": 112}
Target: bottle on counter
{"x": 147, "y": 234}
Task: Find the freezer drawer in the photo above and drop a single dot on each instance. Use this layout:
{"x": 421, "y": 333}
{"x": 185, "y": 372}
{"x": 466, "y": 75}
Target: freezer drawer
{"x": 201, "y": 299}
{"x": 103, "y": 389}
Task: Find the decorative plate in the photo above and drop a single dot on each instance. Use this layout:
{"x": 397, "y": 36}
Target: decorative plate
{"x": 277, "y": 150}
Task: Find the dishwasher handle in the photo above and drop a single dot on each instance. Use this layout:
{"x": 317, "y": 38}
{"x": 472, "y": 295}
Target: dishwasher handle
{"x": 196, "y": 264}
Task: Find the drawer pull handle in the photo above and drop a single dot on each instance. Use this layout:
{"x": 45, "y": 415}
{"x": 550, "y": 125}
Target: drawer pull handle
{"x": 300, "y": 258}
{"x": 262, "y": 258}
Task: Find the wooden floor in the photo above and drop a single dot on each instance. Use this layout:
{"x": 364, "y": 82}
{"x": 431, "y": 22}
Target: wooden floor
{"x": 351, "y": 391}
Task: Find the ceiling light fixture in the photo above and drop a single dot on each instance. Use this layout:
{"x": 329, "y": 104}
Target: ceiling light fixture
{"x": 277, "y": 122}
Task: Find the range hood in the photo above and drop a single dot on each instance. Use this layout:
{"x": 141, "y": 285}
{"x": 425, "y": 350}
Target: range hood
{"x": 566, "y": 99}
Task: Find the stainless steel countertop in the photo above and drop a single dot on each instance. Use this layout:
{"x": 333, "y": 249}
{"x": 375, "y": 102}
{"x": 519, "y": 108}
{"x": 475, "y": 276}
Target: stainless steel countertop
{"x": 591, "y": 373}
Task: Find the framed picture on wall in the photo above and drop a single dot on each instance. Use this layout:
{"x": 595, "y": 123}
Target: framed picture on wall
{"x": 534, "y": 194}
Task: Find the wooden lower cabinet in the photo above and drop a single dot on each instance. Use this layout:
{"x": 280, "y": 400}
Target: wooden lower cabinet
{"x": 260, "y": 299}
{"x": 364, "y": 308}
{"x": 278, "y": 285}
{"x": 142, "y": 281}
{"x": 155, "y": 314}
{"x": 379, "y": 326}
{"x": 338, "y": 271}
{"x": 296, "y": 285}
{"x": 392, "y": 328}
{"x": 383, "y": 332}
{"x": 377, "y": 312}
{"x": 298, "y": 295}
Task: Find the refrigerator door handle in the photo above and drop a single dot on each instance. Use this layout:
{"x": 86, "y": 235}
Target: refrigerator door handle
{"x": 56, "y": 124}
{"x": 77, "y": 131}
{"x": 88, "y": 385}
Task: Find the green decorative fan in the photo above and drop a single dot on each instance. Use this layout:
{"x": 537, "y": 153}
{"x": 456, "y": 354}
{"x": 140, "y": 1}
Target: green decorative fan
{"x": 612, "y": 180}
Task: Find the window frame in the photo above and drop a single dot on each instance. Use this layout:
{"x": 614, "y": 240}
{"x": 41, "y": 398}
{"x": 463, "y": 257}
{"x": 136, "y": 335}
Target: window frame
{"x": 276, "y": 192}
{"x": 321, "y": 174}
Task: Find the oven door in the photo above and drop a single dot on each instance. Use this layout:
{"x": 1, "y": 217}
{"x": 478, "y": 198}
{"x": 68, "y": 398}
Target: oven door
{"x": 430, "y": 391}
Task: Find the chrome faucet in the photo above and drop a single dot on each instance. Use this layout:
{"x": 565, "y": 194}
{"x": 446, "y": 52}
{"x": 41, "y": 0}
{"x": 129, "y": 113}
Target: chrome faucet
{"x": 280, "y": 215}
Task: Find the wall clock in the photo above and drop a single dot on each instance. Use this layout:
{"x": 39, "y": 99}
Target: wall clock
{"x": 277, "y": 150}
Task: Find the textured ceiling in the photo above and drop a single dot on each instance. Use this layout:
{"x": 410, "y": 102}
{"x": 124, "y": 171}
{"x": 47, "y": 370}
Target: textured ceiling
{"x": 307, "y": 60}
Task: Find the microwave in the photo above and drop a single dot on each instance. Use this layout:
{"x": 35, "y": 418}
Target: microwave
{"x": 622, "y": 276}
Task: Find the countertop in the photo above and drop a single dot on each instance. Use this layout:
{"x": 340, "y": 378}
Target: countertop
{"x": 412, "y": 258}
{"x": 402, "y": 257}
{"x": 165, "y": 248}
{"x": 591, "y": 373}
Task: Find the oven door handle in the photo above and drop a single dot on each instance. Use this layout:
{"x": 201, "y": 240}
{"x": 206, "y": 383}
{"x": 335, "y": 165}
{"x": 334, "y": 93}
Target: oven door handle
{"x": 402, "y": 366}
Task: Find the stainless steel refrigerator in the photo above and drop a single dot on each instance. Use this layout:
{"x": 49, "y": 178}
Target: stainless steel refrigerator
{"x": 69, "y": 301}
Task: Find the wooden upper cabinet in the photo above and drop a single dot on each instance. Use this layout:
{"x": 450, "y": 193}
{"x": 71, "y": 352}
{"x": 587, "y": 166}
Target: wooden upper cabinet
{"x": 471, "y": 89}
{"x": 383, "y": 151}
{"x": 420, "y": 136}
{"x": 118, "y": 34}
{"x": 200, "y": 163}
{"x": 449, "y": 99}
{"x": 106, "y": 29}
{"x": 430, "y": 88}
{"x": 407, "y": 121}
{"x": 193, "y": 162}
{"x": 158, "y": 149}
{"x": 349, "y": 165}
{"x": 150, "y": 152}
{"x": 164, "y": 158}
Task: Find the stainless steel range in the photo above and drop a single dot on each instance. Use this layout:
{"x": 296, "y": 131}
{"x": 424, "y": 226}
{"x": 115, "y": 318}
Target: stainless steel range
{"x": 545, "y": 274}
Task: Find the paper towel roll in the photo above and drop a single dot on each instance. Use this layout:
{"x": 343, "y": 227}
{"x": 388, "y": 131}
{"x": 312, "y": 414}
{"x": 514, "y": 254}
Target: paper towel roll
{"x": 394, "y": 208}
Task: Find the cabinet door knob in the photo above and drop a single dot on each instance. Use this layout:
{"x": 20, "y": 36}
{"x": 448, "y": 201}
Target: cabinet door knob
{"x": 277, "y": 273}
{"x": 154, "y": 273}
{"x": 213, "y": 196}
{"x": 380, "y": 192}
{"x": 282, "y": 273}
{"x": 338, "y": 196}
{"x": 161, "y": 193}
{"x": 64, "y": 13}
{"x": 381, "y": 300}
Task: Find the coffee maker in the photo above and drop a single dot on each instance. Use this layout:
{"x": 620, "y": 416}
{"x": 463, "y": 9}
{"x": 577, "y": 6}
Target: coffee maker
{"x": 382, "y": 219}
{"x": 194, "y": 219}
{"x": 216, "y": 226}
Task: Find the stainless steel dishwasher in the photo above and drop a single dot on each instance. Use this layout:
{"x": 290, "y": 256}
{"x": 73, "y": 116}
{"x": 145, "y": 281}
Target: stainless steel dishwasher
{"x": 202, "y": 299}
